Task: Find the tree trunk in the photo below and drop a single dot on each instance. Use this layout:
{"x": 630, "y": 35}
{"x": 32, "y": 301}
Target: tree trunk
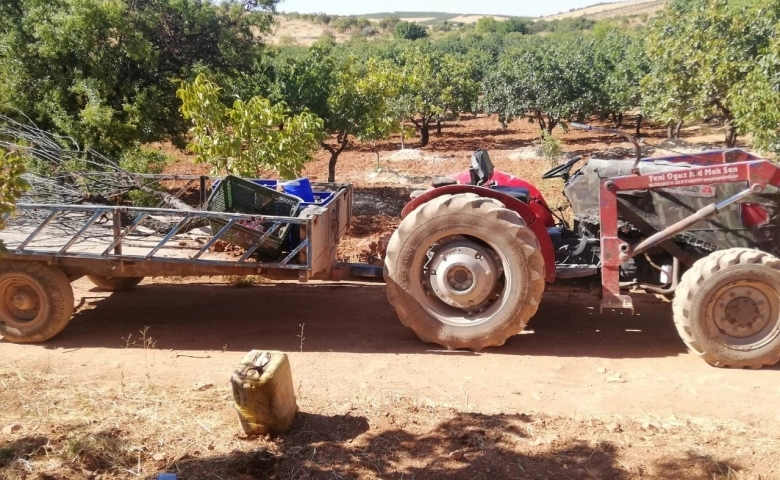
{"x": 438, "y": 126}
{"x": 334, "y": 157}
{"x": 731, "y": 135}
{"x": 731, "y": 129}
{"x": 669, "y": 130}
{"x": 677, "y": 129}
{"x": 343, "y": 139}
{"x": 540, "y": 119}
{"x": 551, "y": 124}
{"x": 619, "y": 121}
{"x": 639, "y": 126}
{"x": 425, "y": 133}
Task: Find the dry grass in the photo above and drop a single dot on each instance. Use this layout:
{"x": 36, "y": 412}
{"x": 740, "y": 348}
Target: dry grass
{"x": 129, "y": 430}
{"x": 134, "y": 430}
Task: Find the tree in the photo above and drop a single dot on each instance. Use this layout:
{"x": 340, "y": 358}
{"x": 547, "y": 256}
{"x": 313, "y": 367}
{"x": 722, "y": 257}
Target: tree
{"x": 756, "y": 99}
{"x": 12, "y": 184}
{"x": 388, "y": 23}
{"x": 491, "y": 25}
{"x": 248, "y": 137}
{"x": 571, "y": 24}
{"x": 409, "y": 31}
{"x": 487, "y": 25}
{"x": 435, "y": 85}
{"x": 345, "y": 24}
{"x": 350, "y": 95}
{"x": 620, "y": 64}
{"x": 105, "y": 71}
{"x": 699, "y": 51}
{"x": 549, "y": 81}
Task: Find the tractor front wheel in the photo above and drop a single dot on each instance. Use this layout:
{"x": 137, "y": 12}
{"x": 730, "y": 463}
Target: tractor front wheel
{"x": 727, "y": 308}
{"x": 463, "y": 271}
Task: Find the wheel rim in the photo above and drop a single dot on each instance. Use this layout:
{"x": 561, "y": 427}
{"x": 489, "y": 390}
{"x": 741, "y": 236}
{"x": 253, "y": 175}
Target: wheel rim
{"x": 21, "y": 301}
{"x": 461, "y": 280}
{"x": 745, "y": 315}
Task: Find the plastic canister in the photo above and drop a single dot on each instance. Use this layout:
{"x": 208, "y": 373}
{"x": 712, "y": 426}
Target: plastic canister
{"x": 301, "y": 188}
{"x": 263, "y": 393}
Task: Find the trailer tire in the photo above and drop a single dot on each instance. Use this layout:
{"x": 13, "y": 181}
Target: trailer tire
{"x": 114, "y": 284}
{"x": 36, "y": 301}
{"x": 727, "y": 308}
{"x": 464, "y": 227}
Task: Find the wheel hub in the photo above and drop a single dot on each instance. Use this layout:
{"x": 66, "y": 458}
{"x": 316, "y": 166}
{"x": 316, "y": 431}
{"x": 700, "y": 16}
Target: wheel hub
{"x": 22, "y": 301}
{"x": 464, "y": 274}
{"x": 742, "y": 311}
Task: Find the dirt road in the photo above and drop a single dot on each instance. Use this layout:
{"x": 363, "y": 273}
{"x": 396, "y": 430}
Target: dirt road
{"x": 571, "y": 361}
{"x": 578, "y": 396}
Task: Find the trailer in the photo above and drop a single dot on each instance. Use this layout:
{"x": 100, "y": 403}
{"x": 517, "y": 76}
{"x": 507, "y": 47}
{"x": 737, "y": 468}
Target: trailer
{"x": 50, "y": 246}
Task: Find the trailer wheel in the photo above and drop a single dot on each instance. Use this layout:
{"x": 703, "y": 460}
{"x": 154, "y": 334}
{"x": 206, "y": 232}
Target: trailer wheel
{"x": 36, "y": 301}
{"x": 463, "y": 271}
{"x": 114, "y": 284}
{"x": 727, "y": 308}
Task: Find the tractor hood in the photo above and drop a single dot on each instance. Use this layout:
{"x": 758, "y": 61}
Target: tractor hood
{"x": 664, "y": 206}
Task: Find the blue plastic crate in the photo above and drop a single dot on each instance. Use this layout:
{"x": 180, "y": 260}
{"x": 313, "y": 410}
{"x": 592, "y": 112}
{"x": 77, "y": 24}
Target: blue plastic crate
{"x": 320, "y": 198}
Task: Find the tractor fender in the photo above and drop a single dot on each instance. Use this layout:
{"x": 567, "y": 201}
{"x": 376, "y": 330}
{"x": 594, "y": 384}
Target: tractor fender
{"x": 529, "y": 216}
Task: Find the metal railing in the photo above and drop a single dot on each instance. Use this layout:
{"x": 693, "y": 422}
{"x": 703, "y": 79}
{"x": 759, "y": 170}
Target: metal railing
{"x": 121, "y": 234}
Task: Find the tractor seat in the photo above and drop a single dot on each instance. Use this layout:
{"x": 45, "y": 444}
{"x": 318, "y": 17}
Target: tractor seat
{"x": 519, "y": 193}
{"x": 443, "y": 182}
{"x": 435, "y": 183}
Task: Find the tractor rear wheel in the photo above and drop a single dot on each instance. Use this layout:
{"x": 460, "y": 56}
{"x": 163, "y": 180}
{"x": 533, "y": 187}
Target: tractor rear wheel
{"x": 36, "y": 301}
{"x": 727, "y": 308}
{"x": 463, "y": 271}
{"x": 114, "y": 284}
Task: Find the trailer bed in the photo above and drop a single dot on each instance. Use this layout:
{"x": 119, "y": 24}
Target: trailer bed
{"x": 130, "y": 241}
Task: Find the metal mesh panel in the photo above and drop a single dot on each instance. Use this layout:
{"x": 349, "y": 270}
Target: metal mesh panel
{"x": 235, "y": 195}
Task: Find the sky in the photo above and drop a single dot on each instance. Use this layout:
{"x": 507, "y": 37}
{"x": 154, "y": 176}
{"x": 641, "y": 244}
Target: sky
{"x": 493, "y": 7}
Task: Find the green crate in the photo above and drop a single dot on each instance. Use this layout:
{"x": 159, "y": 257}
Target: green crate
{"x": 236, "y": 195}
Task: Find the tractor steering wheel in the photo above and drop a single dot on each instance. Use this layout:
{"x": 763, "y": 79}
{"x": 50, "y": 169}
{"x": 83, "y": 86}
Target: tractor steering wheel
{"x": 562, "y": 171}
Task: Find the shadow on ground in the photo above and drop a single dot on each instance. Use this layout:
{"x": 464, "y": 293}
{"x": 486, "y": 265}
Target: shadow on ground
{"x": 460, "y": 446}
{"x": 347, "y": 318}
{"x": 466, "y": 446}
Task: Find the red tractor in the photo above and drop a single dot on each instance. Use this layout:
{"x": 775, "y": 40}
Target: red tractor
{"x": 468, "y": 265}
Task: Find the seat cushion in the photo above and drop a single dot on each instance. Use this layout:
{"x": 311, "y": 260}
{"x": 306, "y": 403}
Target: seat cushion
{"x": 520, "y": 193}
{"x": 443, "y": 181}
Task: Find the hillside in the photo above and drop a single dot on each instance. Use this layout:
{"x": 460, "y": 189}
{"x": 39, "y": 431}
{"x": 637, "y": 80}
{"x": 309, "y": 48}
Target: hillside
{"x": 429, "y": 18}
{"x": 303, "y": 29}
{"x": 612, "y": 10}
{"x": 288, "y": 30}
{"x": 300, "y": 32}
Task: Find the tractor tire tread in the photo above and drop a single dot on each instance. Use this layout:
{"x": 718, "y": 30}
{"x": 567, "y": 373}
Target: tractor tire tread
{"x": 694, "y": 278}
{"x": 502, "y": 220}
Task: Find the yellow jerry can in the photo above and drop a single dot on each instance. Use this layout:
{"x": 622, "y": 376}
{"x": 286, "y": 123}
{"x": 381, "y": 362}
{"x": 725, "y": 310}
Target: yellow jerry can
{"x": 263, "y": 393}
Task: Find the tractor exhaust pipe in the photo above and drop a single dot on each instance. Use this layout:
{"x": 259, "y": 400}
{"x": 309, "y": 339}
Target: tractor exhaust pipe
{"x": 688, "y": 222}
